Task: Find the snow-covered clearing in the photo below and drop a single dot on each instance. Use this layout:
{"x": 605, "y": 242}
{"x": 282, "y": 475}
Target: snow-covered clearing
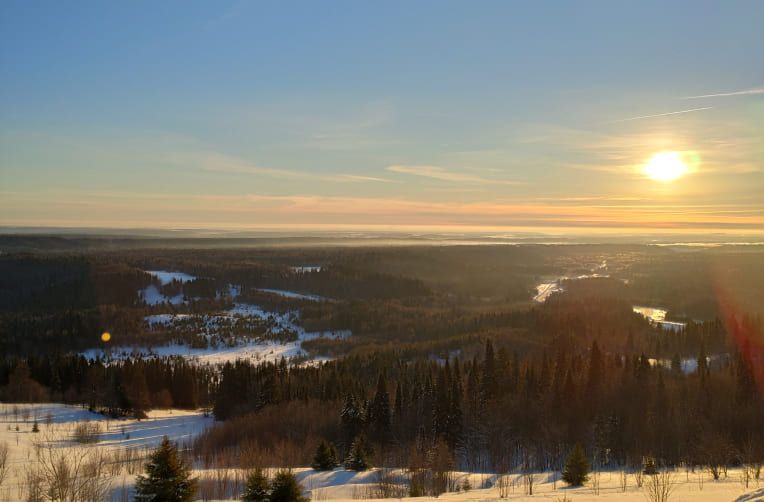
{"x": 253, "y": 349}
{"x": 117, "y": 439}
{"x": 151, "y": 294}
{"x": 166, "y": 277}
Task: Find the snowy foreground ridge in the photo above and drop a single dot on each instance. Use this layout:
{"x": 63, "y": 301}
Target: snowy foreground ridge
{"x": 126, "y": 443}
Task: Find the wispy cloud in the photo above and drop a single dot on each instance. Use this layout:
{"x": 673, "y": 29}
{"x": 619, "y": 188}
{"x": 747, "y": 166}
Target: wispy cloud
{"x": 217, "y": 162}
{"x": 442, "y": 174}
{"x": 666, "y": 114}
{"x": 745, "y": 92}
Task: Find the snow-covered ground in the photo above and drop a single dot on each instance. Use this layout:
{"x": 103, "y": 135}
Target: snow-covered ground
{"x": 57, "y": 423}
{"x": 255, "y": 346}
{"x": 687, "y": 487}
{"x": 545, "y": 289}
{"x": 253, "y": 349}
{"x": 658, "y": 317}
{"x": 306, "y": 269}
{"x": 166, "y": 277}
{"x": 292, "y": 294}
{"x": 151, "y": 294}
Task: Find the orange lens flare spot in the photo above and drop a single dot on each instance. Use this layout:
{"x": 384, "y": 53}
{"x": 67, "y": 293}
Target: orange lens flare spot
{"x": 105, "y": 336}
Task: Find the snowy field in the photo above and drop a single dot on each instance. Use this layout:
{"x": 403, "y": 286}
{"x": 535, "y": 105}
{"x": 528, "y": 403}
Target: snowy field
{"x": 113, "y": 441}
{"x": 125, "y": 444}
{"x": 686, "y": 487}
{"x": 343, "y": 485}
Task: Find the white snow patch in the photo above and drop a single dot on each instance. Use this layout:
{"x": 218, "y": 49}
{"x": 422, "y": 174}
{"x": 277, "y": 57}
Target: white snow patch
{"x": 166, "y": 277}
{"x": 306, "y": 269}
{"x": 292, "y": 294}
{"x": 657, "y": 317}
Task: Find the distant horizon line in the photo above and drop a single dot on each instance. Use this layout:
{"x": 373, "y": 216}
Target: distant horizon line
{"x": 482, "y": 235}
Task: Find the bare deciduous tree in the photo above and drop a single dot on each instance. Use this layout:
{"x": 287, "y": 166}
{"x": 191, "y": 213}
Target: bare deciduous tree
{"x": 658, "y": 487}
{"x": 75, "y": 474}
{"x": 3, "y": 462}
{"x": 624, "y": 480}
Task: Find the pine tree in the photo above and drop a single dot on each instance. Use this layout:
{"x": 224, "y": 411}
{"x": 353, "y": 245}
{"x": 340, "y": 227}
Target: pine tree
{"x": 325, "y": 458}
{"x": 576, "y": 467}
{"x": 285, "y": 488}
{"x": 257, "y": 487}
{"x": 167, "y": 477}
{"x": 358, "y": 456}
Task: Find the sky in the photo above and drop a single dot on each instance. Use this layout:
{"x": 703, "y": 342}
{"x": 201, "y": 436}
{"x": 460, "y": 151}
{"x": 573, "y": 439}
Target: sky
{"x": 413, "y": 115}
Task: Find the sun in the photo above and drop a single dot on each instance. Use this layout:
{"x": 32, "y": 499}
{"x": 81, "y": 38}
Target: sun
{"x": 666, "y": 166}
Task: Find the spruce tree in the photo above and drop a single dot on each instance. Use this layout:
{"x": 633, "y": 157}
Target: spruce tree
{"x": 379, "y": 409}
{"x": 351, "y": 417}
{"x": 285, "y": 488}
{"x": 488, "y": 384}
{"x": 257, "y": 487}
{"x": 358, "y": 456}
{"x": 167, "y": 477}
{"x": 576, "y": 467}
{"x": 325, "y": 458}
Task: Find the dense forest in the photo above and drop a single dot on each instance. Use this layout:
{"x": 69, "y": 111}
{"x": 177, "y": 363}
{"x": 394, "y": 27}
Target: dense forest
{"x": 449, "y": 355}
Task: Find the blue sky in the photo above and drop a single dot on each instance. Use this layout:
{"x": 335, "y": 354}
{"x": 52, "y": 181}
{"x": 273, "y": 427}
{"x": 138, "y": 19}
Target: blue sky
{"x": 381, "y": 114}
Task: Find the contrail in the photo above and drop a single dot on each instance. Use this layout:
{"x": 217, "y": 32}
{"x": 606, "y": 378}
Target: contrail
{"x": 746, "y": 92}
{"x": 664, "y": 114}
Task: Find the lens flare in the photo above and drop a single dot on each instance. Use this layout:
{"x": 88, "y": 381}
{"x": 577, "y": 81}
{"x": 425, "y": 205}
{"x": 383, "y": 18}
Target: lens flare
{"x": 105, "y": 336}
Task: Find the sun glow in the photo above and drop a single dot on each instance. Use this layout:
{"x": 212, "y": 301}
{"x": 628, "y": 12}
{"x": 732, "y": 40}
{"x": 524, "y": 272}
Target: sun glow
{"x": 666, "y": 166}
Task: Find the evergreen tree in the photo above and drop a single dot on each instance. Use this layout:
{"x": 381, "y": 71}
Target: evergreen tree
{"x": 441, "y": 406}
{"x": 257, "y": 487}
{"x": 167, "y": 477}
{"x": 325, "y": 458}
{"x": 379, "y": 409}
{"x": 576, "y": 467}
{"x": 745, "y": 383}
{"x": 358, "y": 456}
{"x": 676, "y": 365}
{"x": 285, "y": 488}
{"x": 455, "y": 427}
{"x": 488, "y": 383}
{"x": 351, "y": 417}
{"x": 595, "y": 370}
